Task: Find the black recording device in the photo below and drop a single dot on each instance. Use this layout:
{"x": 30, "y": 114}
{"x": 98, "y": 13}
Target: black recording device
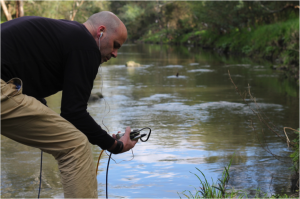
{"x": 134, "y": 135}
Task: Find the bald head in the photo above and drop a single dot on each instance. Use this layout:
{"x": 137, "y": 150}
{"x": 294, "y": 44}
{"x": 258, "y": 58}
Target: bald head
{"x": 105, "y": 18}
{"x": 109, "y": 33}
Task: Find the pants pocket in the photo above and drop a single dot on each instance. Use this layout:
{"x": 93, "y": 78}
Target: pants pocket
{"x": 12, "y": 90}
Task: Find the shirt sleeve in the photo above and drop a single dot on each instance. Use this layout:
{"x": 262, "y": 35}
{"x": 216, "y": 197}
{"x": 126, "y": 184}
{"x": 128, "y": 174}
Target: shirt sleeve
{"x": 81, "y": 67}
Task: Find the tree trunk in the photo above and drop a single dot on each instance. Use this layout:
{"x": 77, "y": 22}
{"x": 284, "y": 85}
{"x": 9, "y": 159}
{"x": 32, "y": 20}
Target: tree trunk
{"x": 19, "y": 9}
{"x": 76, "y": 6}
{"x": 4, "y": 8}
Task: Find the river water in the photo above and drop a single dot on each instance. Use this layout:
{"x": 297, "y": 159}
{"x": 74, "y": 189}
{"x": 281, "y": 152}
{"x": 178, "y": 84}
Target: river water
{"x": 197, "y": 118}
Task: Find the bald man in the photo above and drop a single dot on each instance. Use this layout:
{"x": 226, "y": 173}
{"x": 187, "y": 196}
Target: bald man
{"x": 41, "y": 56}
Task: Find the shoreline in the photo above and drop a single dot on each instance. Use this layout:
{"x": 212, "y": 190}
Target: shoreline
{"x": 277, "y": 43}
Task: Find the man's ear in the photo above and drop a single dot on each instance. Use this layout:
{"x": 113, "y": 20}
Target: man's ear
{"x": 100, "y": 30}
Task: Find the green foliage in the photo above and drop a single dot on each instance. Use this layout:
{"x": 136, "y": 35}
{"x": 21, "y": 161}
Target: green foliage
{"x": 214, "y": 190}
{"x": 132, "y": 12}
{"x": 139, "y": 17}
{"x": 172, "y": 18}
{"x": 60, "y": 9}
{"x": 218, "y": 190}
{"x": 227, "y": 16}
{"x": 131, "y": 17}
{"x": 182, "y": 16}
{"x": 279, "y": 196}
{"x": 178, "y": 18}
{"x": 246, "y": 49}
{"x": 295, "y": 154}
{"x": 216, "y": 16}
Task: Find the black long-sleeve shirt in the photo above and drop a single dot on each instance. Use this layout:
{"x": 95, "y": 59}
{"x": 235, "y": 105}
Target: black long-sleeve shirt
{"x": 51, "y": 55}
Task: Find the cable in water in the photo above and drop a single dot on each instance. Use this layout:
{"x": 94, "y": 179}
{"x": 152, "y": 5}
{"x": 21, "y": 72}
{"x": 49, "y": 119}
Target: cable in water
{"x": 41, "y": 165}
{"x": 135, "y": 134}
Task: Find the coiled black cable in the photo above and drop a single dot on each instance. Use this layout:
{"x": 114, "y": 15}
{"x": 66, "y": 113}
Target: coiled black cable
{"x": 148, "y": 134}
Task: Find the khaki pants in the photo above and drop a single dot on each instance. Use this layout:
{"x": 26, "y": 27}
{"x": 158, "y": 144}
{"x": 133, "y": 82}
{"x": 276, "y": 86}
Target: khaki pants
{"x": 26, "y": 120}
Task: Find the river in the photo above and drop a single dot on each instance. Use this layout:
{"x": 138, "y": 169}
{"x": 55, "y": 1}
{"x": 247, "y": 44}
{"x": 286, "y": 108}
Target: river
{"x": 197, "y": 118}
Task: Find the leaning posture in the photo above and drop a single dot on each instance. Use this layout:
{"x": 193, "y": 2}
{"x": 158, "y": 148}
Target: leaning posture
{"x": 41, "y": 56}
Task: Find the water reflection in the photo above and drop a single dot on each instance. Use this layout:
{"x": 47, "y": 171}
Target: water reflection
{"x": 197, "y": 120}
{"x": 200, "y": 121}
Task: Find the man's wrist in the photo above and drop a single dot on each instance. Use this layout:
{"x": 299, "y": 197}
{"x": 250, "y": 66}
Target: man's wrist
{"x": 117, "y": 147}
{"x": 112, "y": 146}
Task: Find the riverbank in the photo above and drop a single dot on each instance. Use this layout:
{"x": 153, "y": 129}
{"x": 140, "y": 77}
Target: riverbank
{"x": 278, "y": 42}
{"x": 219, "y": 188}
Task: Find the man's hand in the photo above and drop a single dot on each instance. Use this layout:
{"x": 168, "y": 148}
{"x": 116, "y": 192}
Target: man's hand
{"x": 127, "y": 142}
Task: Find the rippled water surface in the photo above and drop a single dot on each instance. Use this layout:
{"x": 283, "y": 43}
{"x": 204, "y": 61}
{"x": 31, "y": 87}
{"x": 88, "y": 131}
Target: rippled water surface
{"x": 197, "y": 118}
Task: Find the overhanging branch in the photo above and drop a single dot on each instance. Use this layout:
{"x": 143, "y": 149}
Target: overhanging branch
{"x": 274, "y": 11}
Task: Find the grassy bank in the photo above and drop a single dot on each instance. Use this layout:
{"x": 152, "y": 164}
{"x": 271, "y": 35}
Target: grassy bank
{"x": 278, "y": 42}
{"x": 218, "y": 189}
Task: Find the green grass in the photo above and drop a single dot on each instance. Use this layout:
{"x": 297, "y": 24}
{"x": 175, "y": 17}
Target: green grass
{"x": 273, "y": 40}
{"x": 214, "y": 190}
{"x": 218, "y": 189}
{"x": 295, "y": 154}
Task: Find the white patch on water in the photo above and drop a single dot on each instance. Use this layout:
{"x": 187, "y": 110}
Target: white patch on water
{"x": 243, "y": 65}
{"x": 157, "y": 97}
{"x": 200, "y": 70}
{"x": 238, "y": 108}
{"x": 179, "y": 76}
{"x": 174, "y": 66}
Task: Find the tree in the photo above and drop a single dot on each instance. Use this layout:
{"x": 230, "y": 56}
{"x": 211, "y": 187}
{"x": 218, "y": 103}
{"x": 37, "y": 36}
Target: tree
{"x": 78, "y": 10}
{"x": 19, "y": 9}
{"x": 12, "y": 9}
{"x": 6, "y": 11}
